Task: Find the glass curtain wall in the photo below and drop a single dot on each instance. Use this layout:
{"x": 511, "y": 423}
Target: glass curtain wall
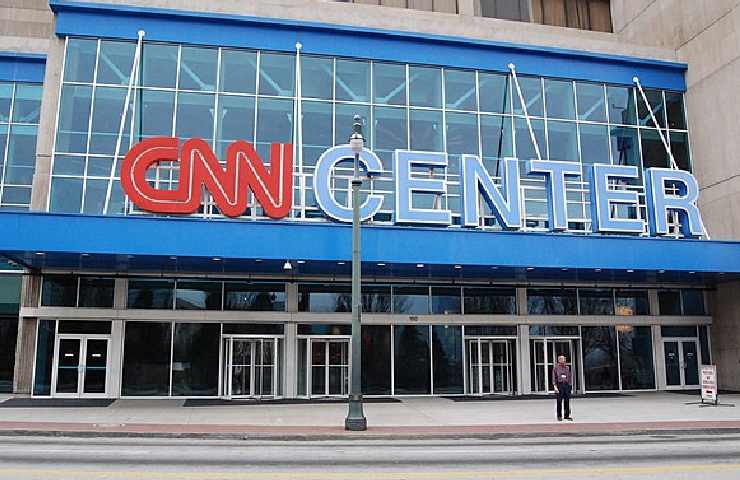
{"x": 20, "y": 105}
{"x": 222, "y": 94}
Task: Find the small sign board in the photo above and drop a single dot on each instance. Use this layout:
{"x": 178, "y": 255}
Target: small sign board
{"x": 709, "y": 383}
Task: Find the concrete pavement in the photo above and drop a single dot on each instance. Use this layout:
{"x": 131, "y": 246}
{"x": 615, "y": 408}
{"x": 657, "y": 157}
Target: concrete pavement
{"x": 410, "y": 417}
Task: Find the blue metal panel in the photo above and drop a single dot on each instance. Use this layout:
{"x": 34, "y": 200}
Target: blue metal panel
{"x": 116, "y": 21}
{"x": 22, "y": 67}
{"x": 64, "y": 238}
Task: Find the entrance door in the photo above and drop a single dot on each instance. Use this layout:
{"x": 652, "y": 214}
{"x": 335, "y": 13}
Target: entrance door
{"x": 251, "y": 367}
{"x": 489, "y": 366}
{"x": 681, "y": 363}
{"x": 329, "y": 373}
{"x": 81, "y": 366}
{"x": 545, "y": 353}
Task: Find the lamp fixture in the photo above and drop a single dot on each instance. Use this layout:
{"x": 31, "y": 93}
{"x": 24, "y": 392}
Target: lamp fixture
{"x": 287, "y": 265}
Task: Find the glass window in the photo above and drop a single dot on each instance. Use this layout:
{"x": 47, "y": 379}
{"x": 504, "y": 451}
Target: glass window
{"x": 675, "y": 110}
{"x": 636, "y": 357}
{"x": 591, "y": 102}
{"x": 559, "y": 98}
{"x": 66, "y": 195}
{"x": 678, "y": 331}
{"x": 106, "y": 122}
{"x": 324, "y": 298}
{"x": 448, "y": 359}
{"x": 524, "y": 146}
{"x": 74, "y": 115}
{"x": 446, "y": 300}
{"x": 600, "y": 365}
{"x": 596, "y": 301}
{"x": 324, "y": 329}
{"x": 425, "y": 87}
{"x": 532, "y": 92}
{"x": 146, "y": 359}
{"x": 79, "y": 63}
{"x": 151, "y": 293}
{"x": 490, "y": 300}
{"x": 274, "y": 120}
{"x": 159, "y": 65}
{"x": 198, "y": 295}
{"x": 491, "y": 330}
{"x": 85, "y": 326}
{"x": 6, "y": 98}
{"x": 693, "y": 302}
{"x": 706, "y": 354}
{"x": 426, "y": 130}
{"x": 115, "y": 62}
{"x": 238, "y": 71}
{"x": 411, "y": 300}
{"x": 156, "y": 113}
{"x": 563, "y": 141}
{"x": 352, "y": 81}
{"x": 669, "y": 302}
{"x": 59, "y": 291}
{"x": 653, "y": 150}
{"x": 277, "y": 74}
{"x": 552, "y": 301}
{"x": 496, "y": 136}
{"x": 198, "y": 67}
{"x": 46, "y": 336}
{"x": 621, "y": 102}
{"x": 389, "y": 85}
{"x": 317, "y": 129}
{"x": 96, "y": 292}
{"x": 27, "y": 103}
{"x": 390, "y": 129}
{"x": 317, "y": 77}
{"x": 254, "y": 328}
{"x": 412, "y": 362}
{"x": 462, "y": 133}
{"x": 195, "y": 116}
{"x": 195, "y": 359}
{"x": 494, "y": 92}
{"x": 632, "y": 302}
{"x": 625, "y": 146}
{"x": 594, "y": 143}
{"x": 21, "y": 158}
{"x": 10, "y": 294}
{"x": 344, "y": 115}
{"x": 254, "y": 296}
{"x": 655, "y": 97}
{"x": 8, "y": 340}
{"x": 460, "y": 91}
{"x": 376, "y": 298}
{"x": 376, "y": 359}
{"x": 235, "y": 121}
{"x": 680, "y": 150}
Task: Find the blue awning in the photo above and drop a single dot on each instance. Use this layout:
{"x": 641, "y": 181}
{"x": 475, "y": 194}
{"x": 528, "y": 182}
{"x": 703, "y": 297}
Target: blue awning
{"x": 118, "y": 244}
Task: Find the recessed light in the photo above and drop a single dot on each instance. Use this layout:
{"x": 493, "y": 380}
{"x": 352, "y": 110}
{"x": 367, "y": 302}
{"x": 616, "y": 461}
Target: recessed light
{"x": 563, "y": 269}
{"x": 691, "y": 273}
{"x": 172, "y": 257}
{"x": 300, "y": 261}
{"x": 597, "y": 270}
{"x": 129, "y": 257}
{"x": 287, "y": 265}
{"x": 458, "y": 267}
{"x": 258, "y": 260}
{"x": 629, "y": 270}
{"x": 340, "y": 263}
{"x": 40, "y": 253}
{"x": 381, "y": 264}
{"x": 85, "y": 254}
{"x": 721, "y": 273}
{"x": 494, "y": 268}
{"x": 419, "y": 265}
{"x": 216, "y": 259}
{"x": 529, "y": 269}
{"x": 661, "y": 271}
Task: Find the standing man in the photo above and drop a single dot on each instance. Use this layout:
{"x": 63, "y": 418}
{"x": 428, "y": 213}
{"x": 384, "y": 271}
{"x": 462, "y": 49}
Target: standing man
{"x": 562, "y": 382}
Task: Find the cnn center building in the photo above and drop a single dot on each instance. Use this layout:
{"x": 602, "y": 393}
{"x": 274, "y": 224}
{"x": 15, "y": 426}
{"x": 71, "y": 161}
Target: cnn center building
{"x": 540, "y": 178}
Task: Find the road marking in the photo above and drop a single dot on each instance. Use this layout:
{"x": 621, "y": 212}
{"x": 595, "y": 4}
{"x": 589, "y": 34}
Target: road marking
{"x": 374, "y": 475}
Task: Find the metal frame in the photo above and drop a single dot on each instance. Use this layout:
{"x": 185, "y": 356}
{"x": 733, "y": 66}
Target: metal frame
{"x": 226, "y": 364}
{"x": 508, "y": 366}
{"x": 81, "y": 367}
{"x": 326, "y": 339}
{"x": 681, "y": 359}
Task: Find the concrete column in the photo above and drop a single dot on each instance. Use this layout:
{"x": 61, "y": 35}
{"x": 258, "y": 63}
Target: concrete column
{"x": 725, "y": 335}
{"x": 291, "y": 297}
{"x": 523, "y": 379}
{"x": 521, "y": 301}
{"x": 25, "y": 348}
{"x": 290, "y": 379}
{"x": 659, "y": 358}
{"x": 120, "y": 293}
{"x": 653, "y": 301}
{"x": 466, "y": 7}
{"x": 47, "y": 125}
{"x": 116, "y": 350}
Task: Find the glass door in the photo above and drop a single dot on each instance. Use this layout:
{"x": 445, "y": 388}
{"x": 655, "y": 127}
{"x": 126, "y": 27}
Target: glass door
{"x": 81, "y": 366}
{"x": 544, "y": 355}
{"x": 329, "y": 368}
{"x": 681, "y": 363}
{"x": 489, "y": 366}
{"x": 251, "y": 365}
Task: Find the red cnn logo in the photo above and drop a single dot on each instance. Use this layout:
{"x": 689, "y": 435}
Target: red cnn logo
{"x": 199, "y": 167}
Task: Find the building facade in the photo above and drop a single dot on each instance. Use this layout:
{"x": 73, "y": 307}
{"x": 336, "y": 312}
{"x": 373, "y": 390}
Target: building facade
{"x": 539, "y": 179}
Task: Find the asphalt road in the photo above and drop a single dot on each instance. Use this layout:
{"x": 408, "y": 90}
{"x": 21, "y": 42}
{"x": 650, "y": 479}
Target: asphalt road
{"x": 715, "y": 457}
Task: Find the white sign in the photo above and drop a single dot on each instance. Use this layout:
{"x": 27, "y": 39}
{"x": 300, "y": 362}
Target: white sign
{"x": 709, "y": 383}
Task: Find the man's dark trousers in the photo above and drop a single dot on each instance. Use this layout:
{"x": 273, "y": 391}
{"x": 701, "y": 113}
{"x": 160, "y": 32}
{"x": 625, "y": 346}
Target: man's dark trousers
{"x": 563, "y": 397}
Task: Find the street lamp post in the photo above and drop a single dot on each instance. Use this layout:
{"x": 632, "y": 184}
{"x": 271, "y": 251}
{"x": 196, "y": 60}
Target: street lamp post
{"x": 356, "y": 420}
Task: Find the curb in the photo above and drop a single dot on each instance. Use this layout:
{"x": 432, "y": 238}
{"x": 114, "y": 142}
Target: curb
{"x": 361, "y": 436}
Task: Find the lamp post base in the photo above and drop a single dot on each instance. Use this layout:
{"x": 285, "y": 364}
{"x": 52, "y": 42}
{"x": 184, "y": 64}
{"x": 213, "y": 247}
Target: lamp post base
{"x": 355, "y": 421}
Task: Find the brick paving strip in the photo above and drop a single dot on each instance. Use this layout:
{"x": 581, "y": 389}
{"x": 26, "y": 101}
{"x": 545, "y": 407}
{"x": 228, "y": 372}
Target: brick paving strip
{"x": 279, "y": 432}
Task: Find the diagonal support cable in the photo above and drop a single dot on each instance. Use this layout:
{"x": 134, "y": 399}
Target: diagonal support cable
{"x": 512, "y": 68}
{"x": 122, "y": 123}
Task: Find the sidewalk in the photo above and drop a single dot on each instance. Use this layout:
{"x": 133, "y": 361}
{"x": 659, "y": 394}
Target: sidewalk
{"x": 409, "y": 418}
